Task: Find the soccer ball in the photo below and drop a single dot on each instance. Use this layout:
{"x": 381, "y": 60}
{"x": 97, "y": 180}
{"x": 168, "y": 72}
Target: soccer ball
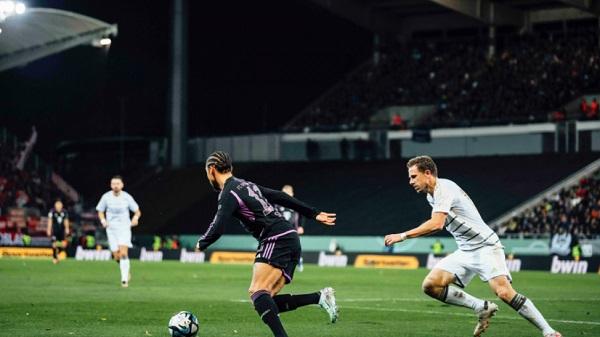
{"x": 183, "y": 324}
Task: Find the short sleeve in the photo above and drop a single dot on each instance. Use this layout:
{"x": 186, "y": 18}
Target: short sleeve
{"x": 133, "y": 206}
{"x": 101, "y": 207}
{"x": 442, "y": 200}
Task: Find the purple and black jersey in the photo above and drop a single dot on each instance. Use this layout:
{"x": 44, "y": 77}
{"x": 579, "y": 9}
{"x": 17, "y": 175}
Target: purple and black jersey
{"x": 253, "y": 206}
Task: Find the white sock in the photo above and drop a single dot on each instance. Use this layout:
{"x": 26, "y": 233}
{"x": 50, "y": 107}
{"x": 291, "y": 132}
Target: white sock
{"x": 457, "y": 296}
{"x": 124, "y": 265}
{"x": 526, "y": 309}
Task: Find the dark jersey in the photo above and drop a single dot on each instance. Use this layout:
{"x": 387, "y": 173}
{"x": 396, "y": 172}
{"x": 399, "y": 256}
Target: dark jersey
{"x": 252, "y": 206}
{"x": 58, "y": 221}
{"x": 290, "y": 215}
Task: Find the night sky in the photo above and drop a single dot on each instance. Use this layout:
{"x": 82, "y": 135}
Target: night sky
{"x": 252, "y": 66}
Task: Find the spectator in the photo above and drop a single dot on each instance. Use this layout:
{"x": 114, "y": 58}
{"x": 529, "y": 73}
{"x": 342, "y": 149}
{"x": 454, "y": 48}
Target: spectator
{"x": 561, "y": 243}
{"x": 528, "y": 78}
{"x": 584, "y": 107}
{"x": 593, "y": 109}
{"x": 397, "y": 123}
{"x": 575, "y": 209}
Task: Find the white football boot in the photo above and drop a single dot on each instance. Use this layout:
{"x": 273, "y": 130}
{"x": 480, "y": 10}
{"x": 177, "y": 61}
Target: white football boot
{"x": 327, "y": 302}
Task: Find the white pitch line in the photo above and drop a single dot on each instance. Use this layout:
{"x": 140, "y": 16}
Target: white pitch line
{"x": 462, "y": 314}
{"x": 439, "y": 312}
{"x": 408, "y": 299}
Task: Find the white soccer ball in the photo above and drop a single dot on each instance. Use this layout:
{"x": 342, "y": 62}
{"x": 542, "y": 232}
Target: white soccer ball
{"x": 183, "y": 324}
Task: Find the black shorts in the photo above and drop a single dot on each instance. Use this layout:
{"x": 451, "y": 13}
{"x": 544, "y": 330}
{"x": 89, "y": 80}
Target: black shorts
{"x": 58, "y": 236}
{"x": 282, "y": 251}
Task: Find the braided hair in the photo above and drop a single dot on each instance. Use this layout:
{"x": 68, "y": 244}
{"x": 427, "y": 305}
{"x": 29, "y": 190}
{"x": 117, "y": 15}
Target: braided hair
{"x": 221, "y": 160}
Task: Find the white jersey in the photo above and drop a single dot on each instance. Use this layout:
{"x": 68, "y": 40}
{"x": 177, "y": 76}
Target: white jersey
{"x": 117, "y": 208}
{"x": 463, "y": 220}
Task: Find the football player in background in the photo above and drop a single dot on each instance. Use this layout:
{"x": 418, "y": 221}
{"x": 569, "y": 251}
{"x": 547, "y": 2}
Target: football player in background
{"x": 113, "y": 211}
{"x": 293, "y": 217}
{"x": 58, "y": 229}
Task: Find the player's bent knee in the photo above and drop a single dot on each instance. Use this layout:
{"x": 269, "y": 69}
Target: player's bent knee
{"x": 429, "y": 287}
{"x": 254, "y": 292}
{"x": 505, "y": 293}
{"x": 254, "y": 289}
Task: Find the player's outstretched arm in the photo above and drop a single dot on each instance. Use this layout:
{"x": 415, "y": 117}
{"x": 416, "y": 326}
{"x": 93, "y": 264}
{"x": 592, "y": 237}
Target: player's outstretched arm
{"x": 227, "y": 205}
{"x": 283, "y": 199}
{"x": 436, "y": 223}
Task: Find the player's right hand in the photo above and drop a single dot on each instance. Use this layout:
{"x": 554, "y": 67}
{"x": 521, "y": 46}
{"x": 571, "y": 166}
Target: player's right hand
{"x": 390, "y": 239}
{"x": 104, "y": 223}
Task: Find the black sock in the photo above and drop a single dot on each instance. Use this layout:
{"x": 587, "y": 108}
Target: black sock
{"x": 55, "y": 252}
{"x": 289, "y": 302}
{"x": 267, "y": 310}
{"x": 517, "y": 302}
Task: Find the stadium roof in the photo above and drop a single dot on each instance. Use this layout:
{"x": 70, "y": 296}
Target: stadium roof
{"x": 41, "y": 32}
{"x": 405, "y": 16}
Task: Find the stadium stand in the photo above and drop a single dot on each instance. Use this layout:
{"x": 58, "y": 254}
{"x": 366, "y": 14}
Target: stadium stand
{"x": 576, "y": 209}
{"x": 26, "y": 193}
{"x": 531, "y": 77}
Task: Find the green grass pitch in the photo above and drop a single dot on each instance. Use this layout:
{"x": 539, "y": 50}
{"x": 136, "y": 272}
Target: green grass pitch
{"x": 75, "y": 298}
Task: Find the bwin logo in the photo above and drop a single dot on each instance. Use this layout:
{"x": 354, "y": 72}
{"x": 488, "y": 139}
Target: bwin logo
{"x": 568, "y": 266}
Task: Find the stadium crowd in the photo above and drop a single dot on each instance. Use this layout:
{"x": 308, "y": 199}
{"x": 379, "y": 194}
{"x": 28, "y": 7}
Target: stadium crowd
{"x": 574, "y": 210}
{"x": 22, "y": 187}
{"x": 530, "y": 79}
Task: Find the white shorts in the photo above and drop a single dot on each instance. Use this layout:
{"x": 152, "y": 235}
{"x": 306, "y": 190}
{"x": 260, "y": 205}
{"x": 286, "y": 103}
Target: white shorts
{"x": 118, "y": 236}
{"x": 487, "y": 262}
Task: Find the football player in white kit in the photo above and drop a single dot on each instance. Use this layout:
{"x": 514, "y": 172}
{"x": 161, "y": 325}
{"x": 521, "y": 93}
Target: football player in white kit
{"x": 113, "y": 211}
{"x": 479, "y": 250}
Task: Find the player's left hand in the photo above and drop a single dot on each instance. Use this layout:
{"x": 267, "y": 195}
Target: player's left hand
{"x": 300, "y": 230}
{"x": 326, "y": 218}
{"x": 134, "y": 221}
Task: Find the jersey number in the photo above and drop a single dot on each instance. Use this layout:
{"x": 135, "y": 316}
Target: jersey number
{"x": 255, "y": 193}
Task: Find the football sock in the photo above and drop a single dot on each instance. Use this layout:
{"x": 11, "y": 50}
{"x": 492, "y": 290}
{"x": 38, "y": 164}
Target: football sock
{"x": 456, "y": 296}
{"x": 289, "y": 302}
{"x": 55, "y": 252}
{"x": 526, "y": 309}
{"x": 124, "y": 266}
{"x": 267, "y": 310}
